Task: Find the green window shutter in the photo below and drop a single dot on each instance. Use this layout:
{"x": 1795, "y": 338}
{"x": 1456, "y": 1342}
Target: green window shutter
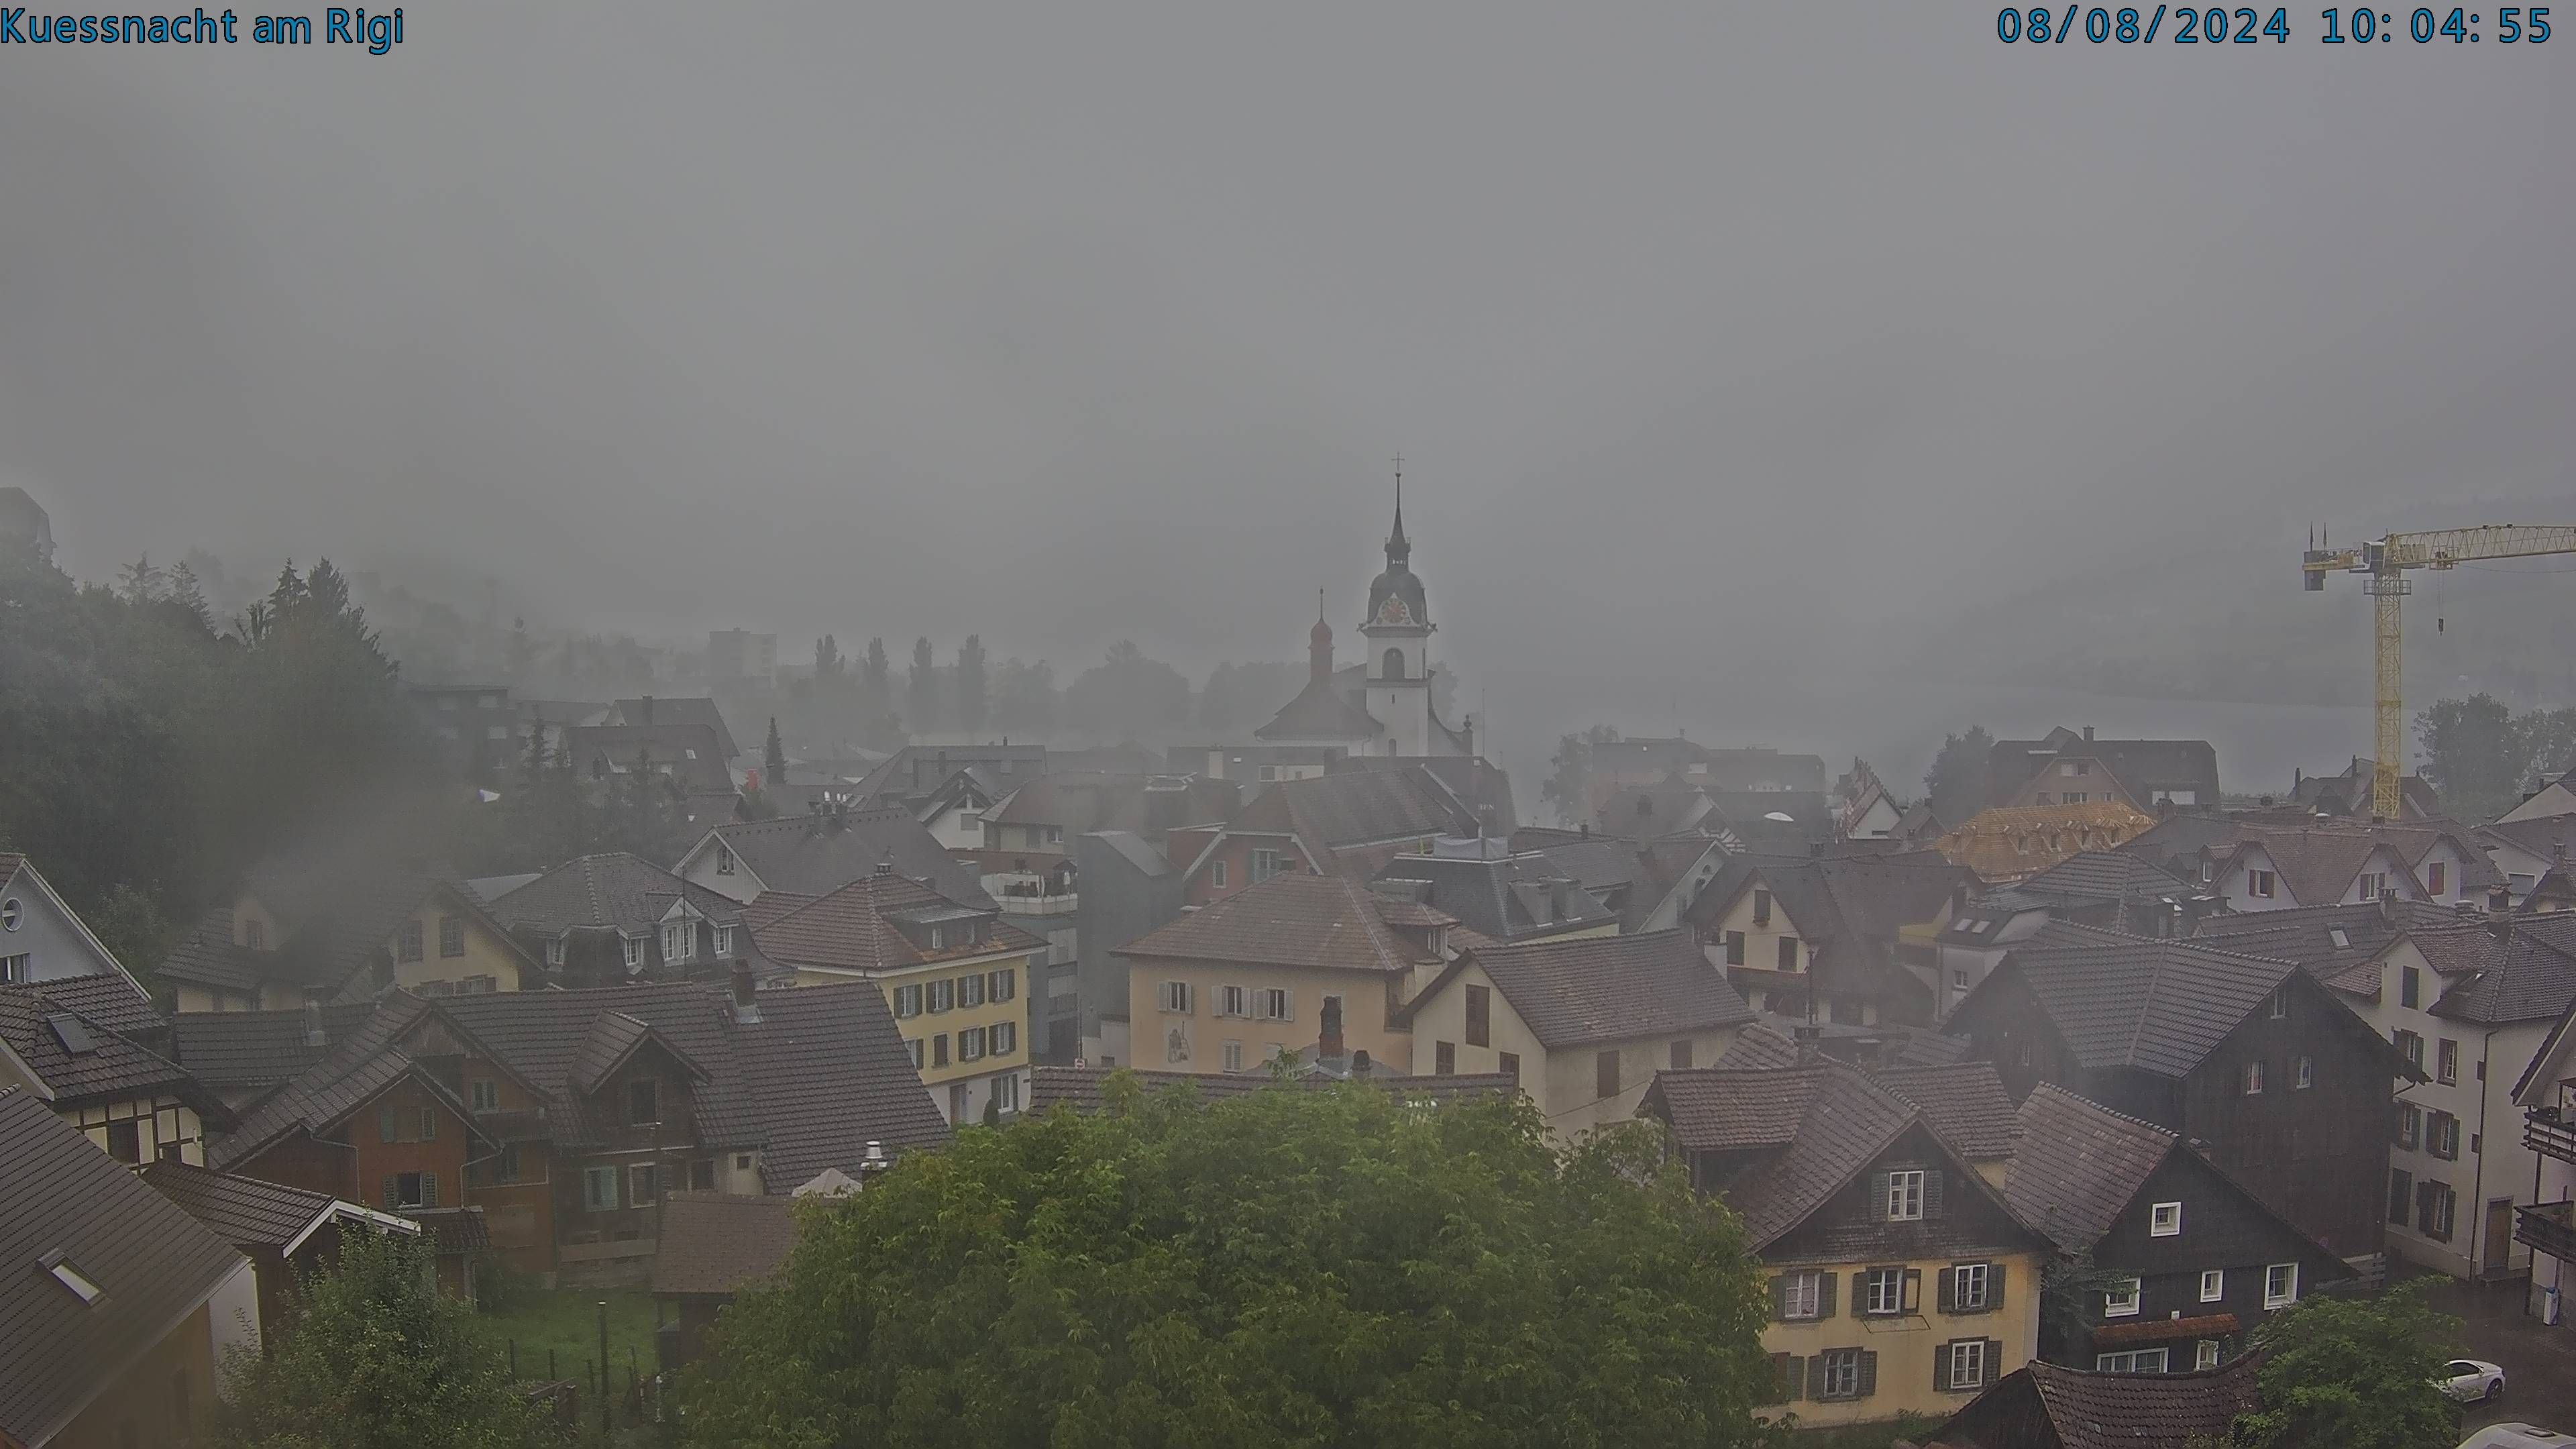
{"x": 1947, "y": 1295}
{"x": 429, "y": 1189}
{"x": 429, "y": 1124}
{"x": 1932, "y": 1193}
{"x": 1860, "y": 1293}
{"x": 393, "y": 1191}
{"x": 1941, "y": 1367}
{"x": 1780, "y": 1297}
{"x": 1793, "y": 1377}
{"x": 1868, "y": 1372}
{"x": 1816, "y": 1377}
{"x": 1825, "y": 1293}
{"x": 1994, "y": 1288}
{"x": 1878, "y": 1197}
{"x": 1994, "y": 1361}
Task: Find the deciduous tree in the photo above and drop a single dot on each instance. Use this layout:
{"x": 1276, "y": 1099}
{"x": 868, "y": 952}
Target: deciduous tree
{"x": 2354, "y": 1373}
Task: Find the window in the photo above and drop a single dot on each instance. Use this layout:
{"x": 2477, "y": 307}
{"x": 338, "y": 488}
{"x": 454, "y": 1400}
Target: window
{"x": 2442, "y": 1136}
{"x": 2206, "y": 1355}
{"x": 939, "y": 1050}
{"x": 677, "y": 939}
{"x": 907, "y": 1000}
{"x": 1175, "y": 997}
{"x": 1905, "y": 1195}
{"x": 1234, "y": 1001}
{"x": 2410, "y": 986}
{"x": 2250, "y": 1079}
{"x": 1761, "y": 908}
{"x": 2306, "y": 1075}
{"x": 2135, "y": 1361}
{"x": 1802, "y": 1295}
{"x": 2281, "y": 1004}
{"x": 1788, "y": 953}
{"x": 1838, "y": 1373}
{"x": 1216, "y": 874}
{"x": 1268, "y": 774}
{"x": 505, "y": 1165}
{"x": 724, "y": 861}
{"x": 255, "y": 934}
{"x": 125, "y": 1141}
{"x": 2374, "y": 884}
{"x": 970, "y": 1044}
{"x": 599, "y": 1189}
{"x": 2437, "y": 877}
{"x": 1735, "y": 948}
{"x": 2280, "y": 1285}
{"x": 451, "y": 935}
{"x": 724, "y": 943}
{"x": 2342, "y": 939}
{"x": 643, "y": 1181}
{"x": 2120, "y": 1299}
{"x": 1883, "y": 1290}
{"x": 938, "y": 938}
{"x": 555, "y": 951}
{"x": 2410, "y": 1125}
{"x": 2164, "y": 1220}
{"x": 407, "y": 941}
{"x": 1444, "y": 1058}
{"x": 2434, "y": 1205}
{"x": 2260, "y": 884}
{"x": 1265, "y": 864}
{"x": 2075, "y": 797}
{"x": 1002, "y": 1038}
{"x": 2208, "y": 872}
{"x": 1969, "y": 1286}
{"x": 1681, "y": 1056}
{"x": 1002, "y": 985}
{"x": 2213, "y": 1285}
{"x": 634, "y": 948}
{"x": 1510, "y": 1065}
{"x": 484, "y": 1094}
{"x": 1480, "y": 1016}
{"x": 943, "y": 994}
{"x": 742, "y": 1162}
{"x": 970, "y": 990}
{"x": 2401, "y": 1196}
{"x": 1232, "y": 1056}
{"x": 643, "y": 1101}
{"x": 80, "y": 1284}
{"x": 912, "y": 1049}
{"x": 1274, "y": 1003}
{"x": 1605, "y": 1075}
{"x": 1006, "y": 1093}
{"x": 1967, "y": 1364}
{"x": 702, "y": 1175}
{"x": 2446, "y": 1062}
{"x": 413, "y": 1189}
{"x": 15, "y": 968}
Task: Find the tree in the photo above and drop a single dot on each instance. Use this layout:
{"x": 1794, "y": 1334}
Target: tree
{"x": 827, "y": 658}
{"x": 376, "y": 1360}
{"x": 1242, "y": 696}
{"x": 1959, "y": 783}
{"x": 1127, "y": 696}
{"x": 1293, "y": 1266}
{"x": 2354, "y": 1373}
{"x": 876, "y": 678}
{"x": 2473, "y": 754}
{"x": 1024, "y": 697}
{"x": 773, "y": 758}
{"x": 1569, "y": 786}
{"x": 921, "y": 687}
{"x": 139, "y": 582}
{"x": 970, "y": 684}
{"x": 185, "y": 591}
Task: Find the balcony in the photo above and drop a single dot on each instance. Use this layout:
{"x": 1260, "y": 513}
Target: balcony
{"x": 2549, "y": 1132}
{"x": 1027, "y": 893}
{"x": 2548, "y": 1228}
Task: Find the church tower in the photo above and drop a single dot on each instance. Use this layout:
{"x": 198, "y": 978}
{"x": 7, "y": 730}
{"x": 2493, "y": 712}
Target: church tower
{"x": 1398, "y": 630}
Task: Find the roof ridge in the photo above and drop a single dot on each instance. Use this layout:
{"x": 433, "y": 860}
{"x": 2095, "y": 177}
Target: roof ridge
{"x": 2167, "y": 1133}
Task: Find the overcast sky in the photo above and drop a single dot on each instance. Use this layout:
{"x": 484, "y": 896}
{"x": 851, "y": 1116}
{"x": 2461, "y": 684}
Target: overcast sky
{"x": 1713, "y": 336}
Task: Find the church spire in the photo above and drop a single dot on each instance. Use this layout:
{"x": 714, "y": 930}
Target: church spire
{"x": 1398, "y": 547}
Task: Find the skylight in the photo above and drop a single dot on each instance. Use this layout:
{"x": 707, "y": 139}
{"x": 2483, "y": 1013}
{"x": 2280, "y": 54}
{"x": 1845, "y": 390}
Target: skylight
{"x": 72, "y": 1032}
{"x": 2342, "y": 941}
{"x": 72, "y": 1278}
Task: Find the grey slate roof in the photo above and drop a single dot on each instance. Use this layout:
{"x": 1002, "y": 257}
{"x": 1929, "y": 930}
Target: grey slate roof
{"x": 1320, "y": 712}
{"x": 700, "y": 711}
{"x": 2308, "y": 935}
{"x": 2157, "y": 1005}
{"x": 1964, "y": 1101}
{"x": 810, "y": 855}
{"x": 110, "y": 998}
{"x": 1356, "y": 807}
{"x": 2088, "y": 1410}
{"x": 1573, "y": 992}
{"x": 61, "y": 1195}
{"x": 2080, "y": 1165}
{"x": 619, "y": 892}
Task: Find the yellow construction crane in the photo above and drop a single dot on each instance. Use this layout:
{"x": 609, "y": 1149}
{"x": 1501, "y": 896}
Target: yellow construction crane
{"x": 2386, "y": 561}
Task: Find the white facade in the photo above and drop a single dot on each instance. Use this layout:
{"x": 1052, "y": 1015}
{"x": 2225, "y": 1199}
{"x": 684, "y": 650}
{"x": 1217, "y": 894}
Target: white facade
{"x": 41, "y": 939}
{"x": 2253, "y": 881}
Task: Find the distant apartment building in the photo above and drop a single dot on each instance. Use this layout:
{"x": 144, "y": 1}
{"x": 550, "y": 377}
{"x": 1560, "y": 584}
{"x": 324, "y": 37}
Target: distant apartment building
{"x": 734, "y": 654}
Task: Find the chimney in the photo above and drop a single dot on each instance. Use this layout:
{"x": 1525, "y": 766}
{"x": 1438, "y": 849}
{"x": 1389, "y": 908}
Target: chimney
{"x": 746, "y": 996}
{"x": 1328, "y": 1045}
{"x": 1815, "y": 850}
{"x": 2088, "y": 734}
{"x": 875, "y": 1162}
{"x": 885, "y": 864}
{"x": 313, "y": 1033}
{"x": 2500, "y": 913}
{"x": 648, "y": 710}
{"x": 1583, "y": 830}
{"x": 1810, "y": 1040}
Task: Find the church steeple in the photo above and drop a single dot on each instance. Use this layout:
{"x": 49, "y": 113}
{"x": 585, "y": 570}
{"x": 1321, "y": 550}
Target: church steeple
{"x": 1319, "y": 645}
{"x": 1399, "y": 549}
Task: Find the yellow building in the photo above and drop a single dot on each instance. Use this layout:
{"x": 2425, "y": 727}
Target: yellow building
{"x": 1852, "y": 936}
{"x": 2012, "y": 843}
{"x": 339, "y": 933}
{"x": 1582, "y": 1023}
{"x": 1899, "y": 1280}
{"x": 1231, "y": 985}
{"x": 955, "y": 976}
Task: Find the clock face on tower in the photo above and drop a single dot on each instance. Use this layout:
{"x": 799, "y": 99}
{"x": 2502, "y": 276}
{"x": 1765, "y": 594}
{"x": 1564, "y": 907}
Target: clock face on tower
{"x": 1394, "y": 612}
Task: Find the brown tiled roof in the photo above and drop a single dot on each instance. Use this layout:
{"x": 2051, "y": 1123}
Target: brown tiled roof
{"x": 2079, "y": 1166}
{"x": 456, "y": 1231}
{"x": 2157, "y": 1005}
{"x": 710, "y": 1243}
{"x": 254, "y": 1049}
{"x": 619, "y": 892}
{"x": 2008, "y": 843}
{"x": 109, "y": 998}
{"x": 854, "y": 928}
{"x": 1965, "y": 1102}
{"x": 2319, "y": 860}
{"x": 78, "y": 1058}
{"x": 1356, "y": 807}
{"x": 700, "y": 711}
{"x": 815, "y": 856}
{"x": 1287, "y": 920}
{"x": 2146, "y": 1411}
{"x": 1759, "y": 1047}
{"x": 1823, "y": 1124}
{"x": 63, "y": 1200}
{"x": 246, "y": 1212}
{"x": 1079, "y": 1088}
{"x": 1570, "y": 992}
{"x": 2108, "y": 875}
{"x": 2522, "y": 976}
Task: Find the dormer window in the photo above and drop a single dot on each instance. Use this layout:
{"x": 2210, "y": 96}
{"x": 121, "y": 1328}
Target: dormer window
{"x": 724, "y": 943}
{"x": 679, "y": 941}
{"x": 634, "y": 947}
{"x": 555, "y": 951}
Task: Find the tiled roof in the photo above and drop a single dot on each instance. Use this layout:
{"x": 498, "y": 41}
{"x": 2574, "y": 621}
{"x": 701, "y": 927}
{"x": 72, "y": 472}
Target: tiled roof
{"x": 328, "y": 943}
{"x": 1474, "y": 782}
{"x": 1759, "y": 1047}
{"x": 1079, "y": 1088}
{"x": 2009, "y": 843}
{"x": 2156, "y": 1005}
{"x": 815, "y": 855}
{"x": 2542, "y": 835}
{"x": 78, "y": 1058}
{"x": 710, "y": 1244}
{"x": 2104, "y": 875}
{"x": 2317, "y": 862}
{"x": 1287, "y": 920}
{"x": 692, "y": 755}
{"x": 454, "y": 1231}
{"x": 2141, "y": 766}
{"x": 254, "y": 1049}
{"x": 1320, "y": 712}
{"x": 2079, "y": 1166}
{"x": 110, "y": 998}
{"x": 62, "y": 1199}
{"x": 1964, "y": 1101}
{"x": 1356, "y": 807}
{"x": 1509, "y": 898}
{"x": 854, "y": 928}
{"x": 605, "y": 892}
{"x": 2146, "y": 1411}
{"x": 1570, "y": 992}
{"x": 2308, "y": 935}
{"x": 354, "y": 1073}
{"x": 1818, "y": 1127}
{"x": 698, "y": 711}
{"x": 2522, "y": 976}
{"x": 246, "y": 1212}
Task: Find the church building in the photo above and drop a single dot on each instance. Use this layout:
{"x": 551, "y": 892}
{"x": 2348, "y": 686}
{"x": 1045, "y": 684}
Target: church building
{"x": 1388, "y": 711}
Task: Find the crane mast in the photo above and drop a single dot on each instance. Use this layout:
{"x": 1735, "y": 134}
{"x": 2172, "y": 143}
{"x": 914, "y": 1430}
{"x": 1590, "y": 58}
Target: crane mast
{"x": 2386, "y": 561}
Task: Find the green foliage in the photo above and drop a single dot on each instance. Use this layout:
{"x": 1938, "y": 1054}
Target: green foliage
{"x": 2480, "y": 755}
{"x": 970, "y": 684}
{"x": 1024, "y": 697}
{"x": 376, "y": 1361}
{"x": 922, "y": 689}
{"x": 2354, "y": 1373}
{"x": 1569, "y": 786}
{"x": 1958, "y": 783}
{"x": 1291, "y": 1267}
{"x": 1127, "y": 697}
{"x": 773, "y": 759}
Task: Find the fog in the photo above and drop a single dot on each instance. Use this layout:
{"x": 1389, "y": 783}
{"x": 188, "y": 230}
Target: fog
{"x": 1744, "y": 359}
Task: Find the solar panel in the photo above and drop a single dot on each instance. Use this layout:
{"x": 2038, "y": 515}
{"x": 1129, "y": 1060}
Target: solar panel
{"x": 73, "y": 1033}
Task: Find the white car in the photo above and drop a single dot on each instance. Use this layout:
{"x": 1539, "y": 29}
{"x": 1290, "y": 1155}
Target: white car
{"x": 2471, "y": 1381}
{"x": 2516, "y": 1436}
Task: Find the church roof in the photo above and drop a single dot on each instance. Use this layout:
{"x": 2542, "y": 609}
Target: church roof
{"x": 1320, "y": 712}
